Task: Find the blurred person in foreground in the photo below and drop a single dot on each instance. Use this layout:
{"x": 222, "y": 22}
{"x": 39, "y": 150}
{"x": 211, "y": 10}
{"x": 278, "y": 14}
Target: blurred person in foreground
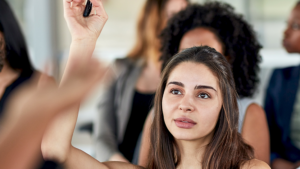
{"x": 128, "y": 99}
{"x": 216, "y": 25}
{"x": 15, "y": 66}
{"x": 282, "y": 102}
{"x": 23, "y": 126}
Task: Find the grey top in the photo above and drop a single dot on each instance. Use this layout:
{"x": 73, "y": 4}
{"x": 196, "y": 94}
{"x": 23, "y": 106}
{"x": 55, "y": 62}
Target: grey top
{"x": 243, "y": 104}
{"x": 114, "y": 108}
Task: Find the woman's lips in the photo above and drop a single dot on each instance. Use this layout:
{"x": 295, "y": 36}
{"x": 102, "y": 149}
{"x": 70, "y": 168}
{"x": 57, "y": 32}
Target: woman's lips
{"x": 185, "y": 123}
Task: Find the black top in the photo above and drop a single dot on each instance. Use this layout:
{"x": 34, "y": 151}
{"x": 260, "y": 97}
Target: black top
{"x": 9, "y": 89}
{"x": 141, "y": 105}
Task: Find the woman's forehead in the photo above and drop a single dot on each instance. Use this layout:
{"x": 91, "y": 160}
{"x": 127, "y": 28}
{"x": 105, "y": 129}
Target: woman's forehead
{"x": 190, "y": 73}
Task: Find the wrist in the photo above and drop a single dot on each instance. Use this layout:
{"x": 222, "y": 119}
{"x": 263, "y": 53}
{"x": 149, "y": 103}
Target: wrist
{"x": 84, "y": 40}
{"x": 82, "y": 47}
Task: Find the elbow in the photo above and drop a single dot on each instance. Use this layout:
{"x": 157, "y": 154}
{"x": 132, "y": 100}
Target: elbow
{"x": 54, "y": 153}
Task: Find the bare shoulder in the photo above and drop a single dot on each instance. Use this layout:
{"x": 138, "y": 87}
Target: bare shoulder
{"x": 255, "y": 109}
{"x": 121, "y": 165}
{"x": 255, "y": 113}
{"x": 255, "y": 164}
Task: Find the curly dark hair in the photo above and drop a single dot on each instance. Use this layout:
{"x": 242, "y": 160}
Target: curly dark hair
{"x": 235, "y": 33}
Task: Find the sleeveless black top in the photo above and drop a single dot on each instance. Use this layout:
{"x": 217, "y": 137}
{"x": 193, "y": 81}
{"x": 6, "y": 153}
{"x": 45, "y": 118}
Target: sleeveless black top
{"x": 141, "y": 105}
{"x": 9, "y": 89}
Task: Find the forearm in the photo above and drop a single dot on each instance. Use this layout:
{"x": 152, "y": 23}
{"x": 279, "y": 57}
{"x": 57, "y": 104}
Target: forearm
{"x": 56, "y": 142}
{"x": 80, "y": 52}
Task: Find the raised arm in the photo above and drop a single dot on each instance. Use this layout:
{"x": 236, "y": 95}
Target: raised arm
{"x": 85, "y": 32}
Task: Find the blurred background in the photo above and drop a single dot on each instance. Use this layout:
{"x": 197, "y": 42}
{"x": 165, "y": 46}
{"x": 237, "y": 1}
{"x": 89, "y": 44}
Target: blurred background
{"x": 48, "y": 41}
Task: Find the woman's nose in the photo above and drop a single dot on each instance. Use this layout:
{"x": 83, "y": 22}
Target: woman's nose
{"x": 186, "y": 105}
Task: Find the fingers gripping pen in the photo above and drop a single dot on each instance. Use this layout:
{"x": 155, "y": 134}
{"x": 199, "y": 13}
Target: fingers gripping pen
{"x": 88, "y": 8}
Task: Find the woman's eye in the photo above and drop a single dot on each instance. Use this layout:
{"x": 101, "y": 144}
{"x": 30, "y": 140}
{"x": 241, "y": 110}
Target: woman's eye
{"x": 175, "y": 92}
{"x": 203, "y": 96}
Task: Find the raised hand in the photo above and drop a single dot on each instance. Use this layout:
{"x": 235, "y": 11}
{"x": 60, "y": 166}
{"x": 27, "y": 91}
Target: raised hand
{"x": 84, "y": 27}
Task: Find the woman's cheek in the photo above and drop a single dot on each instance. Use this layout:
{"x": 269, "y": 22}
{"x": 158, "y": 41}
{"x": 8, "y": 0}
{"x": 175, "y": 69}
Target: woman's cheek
{"x": 213, "y": 114}
{"x": 168, "y": 107}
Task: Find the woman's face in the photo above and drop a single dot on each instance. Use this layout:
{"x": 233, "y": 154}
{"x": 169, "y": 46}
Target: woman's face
{"x": 174, "y": 6}
{"x": 191, "y": 102}
{"x": 200, "y": 36}
{"x": 291, "y": 41}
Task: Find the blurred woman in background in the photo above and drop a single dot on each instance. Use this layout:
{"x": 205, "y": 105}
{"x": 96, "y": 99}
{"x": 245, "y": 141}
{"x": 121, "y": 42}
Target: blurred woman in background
{"x": 128, "y": 99}
{"x": 217, "y": 25}
{"x": 282, "y": 102}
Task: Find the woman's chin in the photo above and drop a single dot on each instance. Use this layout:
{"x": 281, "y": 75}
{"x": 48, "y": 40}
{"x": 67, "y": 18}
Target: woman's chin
{"x": 185, "y": 136}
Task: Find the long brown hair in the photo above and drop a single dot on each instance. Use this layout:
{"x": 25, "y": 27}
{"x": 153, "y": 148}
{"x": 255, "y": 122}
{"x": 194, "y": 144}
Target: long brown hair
{"x": 150, "y": 24}
{"x": 226, "y": 149}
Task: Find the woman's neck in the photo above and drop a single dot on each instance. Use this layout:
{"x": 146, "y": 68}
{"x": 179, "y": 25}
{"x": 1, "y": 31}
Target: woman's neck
{"x": 192, "y": 152}
{"x": 149, "y": 77}
{"x": 153, "y": 65}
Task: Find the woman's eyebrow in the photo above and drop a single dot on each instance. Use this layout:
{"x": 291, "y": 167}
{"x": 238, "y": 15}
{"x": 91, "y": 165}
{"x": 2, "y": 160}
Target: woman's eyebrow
{"x": 204, "y": 87}
{"x": 176, "y": 83}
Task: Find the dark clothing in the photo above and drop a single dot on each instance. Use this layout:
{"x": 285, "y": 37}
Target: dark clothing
{"x": 279, "y": 105}
{"x": 141, "y": 105}
{"x": 9, "y": 89}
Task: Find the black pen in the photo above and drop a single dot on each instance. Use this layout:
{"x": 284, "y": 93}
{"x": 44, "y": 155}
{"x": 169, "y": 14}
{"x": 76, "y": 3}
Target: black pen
{"x": 88, "y": 8}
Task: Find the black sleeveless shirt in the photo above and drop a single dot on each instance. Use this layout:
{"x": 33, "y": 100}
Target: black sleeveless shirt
{"x": 141, "y": 105}
{"x": 23, "y": 77}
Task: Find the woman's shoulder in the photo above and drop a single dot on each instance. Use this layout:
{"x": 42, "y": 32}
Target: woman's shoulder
{"x": 255, "y": 164}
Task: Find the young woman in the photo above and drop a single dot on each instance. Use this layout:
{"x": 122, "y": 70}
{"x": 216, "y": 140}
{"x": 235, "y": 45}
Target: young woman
{"x": 282, "y": 102}
{"x": 125, "y": 105}
{"x": 216, "y": 25}
{"x": 196, "y": 112}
